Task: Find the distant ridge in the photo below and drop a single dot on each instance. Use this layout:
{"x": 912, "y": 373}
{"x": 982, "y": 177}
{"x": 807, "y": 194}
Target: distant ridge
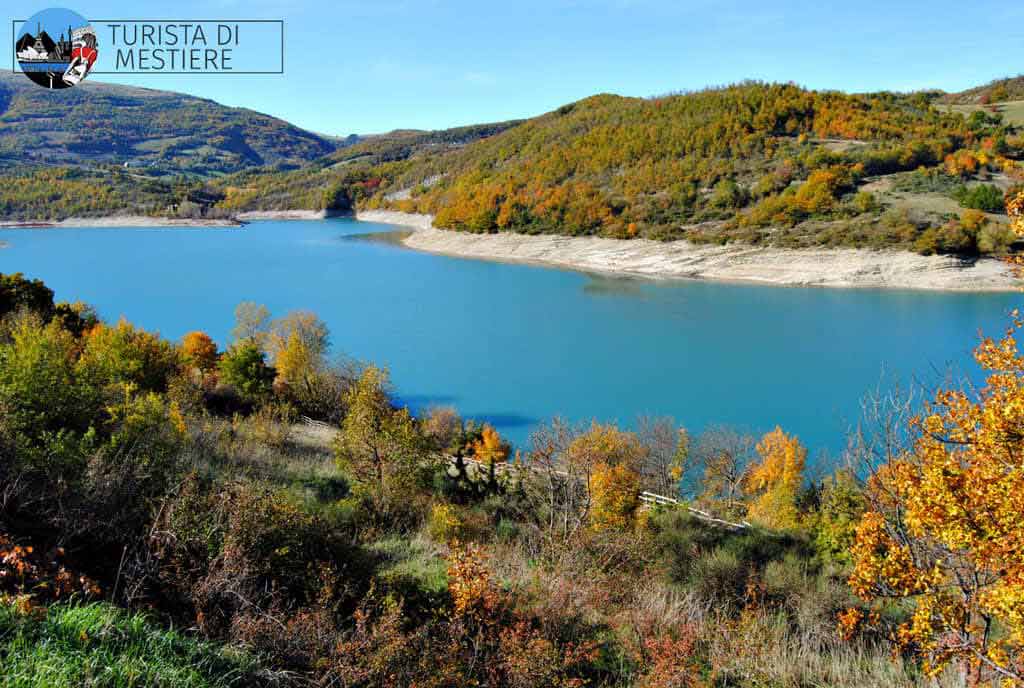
{"x": 166, "y": 132}
{"x": 997, "y": 91}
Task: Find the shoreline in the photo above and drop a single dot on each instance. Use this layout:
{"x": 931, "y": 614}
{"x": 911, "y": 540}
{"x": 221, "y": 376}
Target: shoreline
{"x": 833, "y": 268}
{"x": 250, "y": 215}
{"x": 119, "y": 221}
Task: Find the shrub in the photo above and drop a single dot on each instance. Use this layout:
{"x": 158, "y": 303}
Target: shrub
{"x": 242, "y": 549}
{"x": 124, "y": 354}
{"x": 244, "y": 367}
{"x": 41, "y": 390}
{"x": 985, "y": 197}
{"x": 720, "y": 576}
{"x": 444, "y": 523}
{"x": 865, "y": 202}
{"x": 995, "y": 239}
{"x": 17, "y": 292}
{"x": 972, "y": 220}
{"x": 727, "y": 194}
{"x": 928, "y": 242}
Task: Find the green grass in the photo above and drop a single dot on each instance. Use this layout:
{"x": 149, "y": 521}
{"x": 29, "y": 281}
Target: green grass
{"x": 1012, "y": 111}
{"x": 412, "y": 560}
{"x": 98, "y": 645}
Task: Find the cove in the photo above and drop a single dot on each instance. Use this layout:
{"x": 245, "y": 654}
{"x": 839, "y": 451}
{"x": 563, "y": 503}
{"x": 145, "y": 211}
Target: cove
{"x": 518, "y": 344}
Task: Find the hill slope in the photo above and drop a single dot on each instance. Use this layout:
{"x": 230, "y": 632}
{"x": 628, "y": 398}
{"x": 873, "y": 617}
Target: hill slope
{"x": 616, "y": 166}
{"x": 161, "y": 131}
{"x": 350, "y": 175}
{"x": 754, "y": 162}
{"x": 998, "y": 91}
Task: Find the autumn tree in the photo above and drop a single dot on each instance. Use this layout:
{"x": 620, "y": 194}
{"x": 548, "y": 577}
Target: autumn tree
{"x": 943, "y": 533}
{"x": 298, "y": 329}
{"x": 612, "y": 460}
{"x": 490, "y": 448}
{"x": 1015, "y": 209}
{"x": 773, "y": 483}
{"x": 125, "y": 354}
{"x": 199, "y": 351}
{"x": 378, "y": 443}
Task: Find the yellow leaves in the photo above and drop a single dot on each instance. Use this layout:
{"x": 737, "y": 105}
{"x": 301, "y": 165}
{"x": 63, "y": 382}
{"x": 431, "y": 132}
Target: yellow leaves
{"x": 849, "y": 622}
{"x": 469, "y": 583}
{"x": 972, "y": 220}
{"x": 946, "y": 530}
{"x": 611, "y": 458}
{"x": 774, "y": 482}
{"x": 963, "y": 163}
{"x": 880, "y": 563}
{"x": 1015, "y": 209}
{"x": 615, "y": 499}
{"x": 444, "y": 522}
{"x": 606, "y": 444}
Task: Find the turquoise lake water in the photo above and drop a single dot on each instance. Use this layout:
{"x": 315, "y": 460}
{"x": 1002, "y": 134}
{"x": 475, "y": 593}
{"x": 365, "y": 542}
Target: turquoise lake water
{"x": 517, "y": 344}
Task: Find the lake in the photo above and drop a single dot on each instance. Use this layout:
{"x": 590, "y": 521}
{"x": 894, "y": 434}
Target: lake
{"x": 518, "y": 344}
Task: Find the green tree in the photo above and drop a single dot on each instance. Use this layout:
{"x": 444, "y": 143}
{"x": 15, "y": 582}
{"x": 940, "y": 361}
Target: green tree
{"x": 126, "y": 354}
{"x": 16, "y": 292}
{"x": 244, "y": 367}
{"x": 40, "y": 390}
{"x": 378, "y": 443}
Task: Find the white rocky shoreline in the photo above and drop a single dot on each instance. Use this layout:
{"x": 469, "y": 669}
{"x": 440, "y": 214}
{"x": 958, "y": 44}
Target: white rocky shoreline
{"x": 842, "y": 268}
{"x": 120, "y": 221}
{"x": 155, "y": 221}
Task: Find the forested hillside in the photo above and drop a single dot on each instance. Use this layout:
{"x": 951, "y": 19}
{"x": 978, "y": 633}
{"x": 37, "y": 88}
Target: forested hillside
{"x": 998, "y": 91}
{"x": 348, "y": 176}
{"x": 759, "y": 163}
{"x": 754, "y": 163}
{"x": 158, "y": 132}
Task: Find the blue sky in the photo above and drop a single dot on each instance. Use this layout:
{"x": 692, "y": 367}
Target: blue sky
{"x": 376, "y": 65}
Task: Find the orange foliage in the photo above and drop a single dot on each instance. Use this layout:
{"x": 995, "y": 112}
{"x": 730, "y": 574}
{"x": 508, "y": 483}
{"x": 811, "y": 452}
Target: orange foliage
{"x": 945, "y": 531}
{"x": 31, "y": 576}
{"x": 490, "y": 448}
{"x": 199, "y": 350}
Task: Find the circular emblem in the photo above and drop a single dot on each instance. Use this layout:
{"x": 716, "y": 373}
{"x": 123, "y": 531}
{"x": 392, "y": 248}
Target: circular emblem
{"x": 56, "y": 48}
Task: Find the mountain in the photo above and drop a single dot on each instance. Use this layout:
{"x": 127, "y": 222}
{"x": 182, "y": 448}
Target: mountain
{"x": 164, "y": 132}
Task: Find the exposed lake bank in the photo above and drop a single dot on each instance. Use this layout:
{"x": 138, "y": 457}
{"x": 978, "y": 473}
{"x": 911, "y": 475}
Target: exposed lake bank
{"x": 120, "y": 221}
{"x": 288, "y": 214}
{"x": 843, "y": 268}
